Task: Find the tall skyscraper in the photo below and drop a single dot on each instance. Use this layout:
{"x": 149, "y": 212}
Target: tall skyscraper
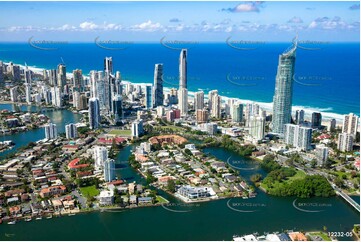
{"x": 332, "y": 125}
{"x": 28, "y": 93}
{"x": 183, "y": 101}
{"x": 61, "y": 78}
{"x": 100, "y": 155}
{"x": 137, "y": 128}
{"x": 158, "y": 96}
{"x": 148, "y": 97}
{"x": 257, "y": 127}
{"x": 345, "y": 142}
{"x": 109, "y": 170}
{"x": 183, "y": 69}
{"x": 108, "y": 65}
{"x": 51, "y": 131}
{"x": 216, "y": 106}
{"x": 199, "y": 100}
{"x": 237, "y": 112}
{"x": 300, "y": 117}
{"x": 211, "y": 94}
{"x": 14, "y": 94}
{"x": 282, "y": 99}
{"x": 316, "y": 120}
{"x": 52, "y": 77}
{"x": 350, "y": 123}
{"x": 117, "y": 108}
{"x": 94, "y": 113}
{"x": 56, "y": 97}
{"x": 71, "y": 131}
{"x": 78, "y": 82}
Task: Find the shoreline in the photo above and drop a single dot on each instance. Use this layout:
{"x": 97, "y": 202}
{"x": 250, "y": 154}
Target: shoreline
{"x": 267, "y": 106}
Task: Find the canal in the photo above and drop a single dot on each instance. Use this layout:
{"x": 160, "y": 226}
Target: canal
{"x": 217, "y": 220}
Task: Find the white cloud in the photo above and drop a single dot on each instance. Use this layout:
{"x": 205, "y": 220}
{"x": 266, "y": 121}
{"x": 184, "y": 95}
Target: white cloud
{"x": 147, "y": 26}
{"x": 88, "y": 26}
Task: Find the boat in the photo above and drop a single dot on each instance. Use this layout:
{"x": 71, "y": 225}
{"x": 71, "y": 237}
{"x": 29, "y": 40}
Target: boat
{"x": 12, "y": 222}
{"x": 27, "y": 219}
{"x": 49, "y": 217}
{"x": 9, "y": 235}
{"x": 39, "y": 218}
{"x": 71, "y": 214}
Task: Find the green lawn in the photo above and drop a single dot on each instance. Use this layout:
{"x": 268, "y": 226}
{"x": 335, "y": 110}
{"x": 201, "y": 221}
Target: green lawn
{"x": 89, "y": 191}
{"x": 299, "y": 174}
{"x": 120, "y": 132}
{"x": 161, "y": 199}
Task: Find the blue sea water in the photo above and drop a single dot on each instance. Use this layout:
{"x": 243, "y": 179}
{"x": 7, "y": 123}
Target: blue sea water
{"x": 327, "y": 78}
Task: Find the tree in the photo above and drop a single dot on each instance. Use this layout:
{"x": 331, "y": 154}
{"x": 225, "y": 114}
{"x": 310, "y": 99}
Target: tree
{"x": 171, "y": 185}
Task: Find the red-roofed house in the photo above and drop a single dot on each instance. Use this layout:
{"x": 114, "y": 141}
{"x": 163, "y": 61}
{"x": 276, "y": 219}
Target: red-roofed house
{"x": 74, "y": 164}
{"x": 51, "y": 191}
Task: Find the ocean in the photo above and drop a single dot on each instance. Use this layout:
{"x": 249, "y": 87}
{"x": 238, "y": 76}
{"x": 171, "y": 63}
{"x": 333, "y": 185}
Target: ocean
{"x": 327, "y": 78}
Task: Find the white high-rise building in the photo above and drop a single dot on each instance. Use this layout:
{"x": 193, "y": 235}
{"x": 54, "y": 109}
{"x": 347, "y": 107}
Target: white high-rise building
{"x": 76, "y": 99}
{"x": 321, "y": 154}
{"x": 216, "y": 106}
{"x": 199, "y": 100}
{"x": 137, "y": 128}
{"x": 14, "y": 94}
{"x": 109, "y": 170}
{"x": 71, "y": 131}
{"x": 61, "y": 78}
{"x": 56, "y": 97}
{"x": 211, "y": 94}
{"x": 93, "y": 84}
{"x": 345, "y": 142}
{"x": 282, "y": 99}
{"x": 100, "y": 155}
{"x": 257, "y": 127}
{"x": 350, "y": 123}
{"x": 183, "y": 101}
{"x": 51, "y": 131}
{"x": 298, "y": 137}
{"x": 28, "y": 92}
{"x": 94, "y": 113}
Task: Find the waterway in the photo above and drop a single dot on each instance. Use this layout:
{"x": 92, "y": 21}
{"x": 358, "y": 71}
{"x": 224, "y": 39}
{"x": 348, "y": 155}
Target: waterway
{"x": 59, "y": 117}
{"x": 217, "y": 220}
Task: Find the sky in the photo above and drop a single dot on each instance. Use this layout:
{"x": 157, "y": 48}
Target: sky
{"x": 184, "y": 21}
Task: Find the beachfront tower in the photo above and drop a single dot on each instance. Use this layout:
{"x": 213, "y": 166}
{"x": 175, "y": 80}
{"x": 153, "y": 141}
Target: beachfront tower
{"x": 158, "y": 96}
{"x": 282, "y": 99}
